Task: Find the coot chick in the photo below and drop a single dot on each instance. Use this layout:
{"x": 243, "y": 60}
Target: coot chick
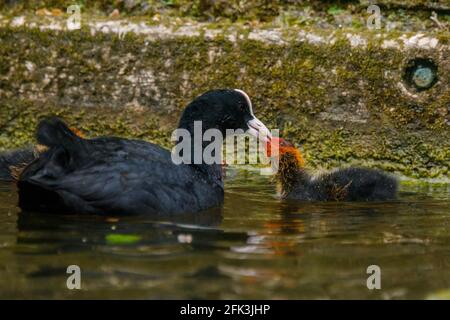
{"x": 344, "y": 184}
{"x": 117, "y": 176}
{"x": 11, "y": 162}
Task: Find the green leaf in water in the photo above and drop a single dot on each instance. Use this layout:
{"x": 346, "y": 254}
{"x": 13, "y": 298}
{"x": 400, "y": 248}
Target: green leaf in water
{"x": 118, "y": 238}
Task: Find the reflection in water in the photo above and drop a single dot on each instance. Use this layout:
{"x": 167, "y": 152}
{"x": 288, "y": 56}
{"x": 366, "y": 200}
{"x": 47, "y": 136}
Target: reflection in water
{"x": 255, "y": 247}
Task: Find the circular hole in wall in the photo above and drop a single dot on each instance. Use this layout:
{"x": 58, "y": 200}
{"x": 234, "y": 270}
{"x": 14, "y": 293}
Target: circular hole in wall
{"x": 420, "y": 74}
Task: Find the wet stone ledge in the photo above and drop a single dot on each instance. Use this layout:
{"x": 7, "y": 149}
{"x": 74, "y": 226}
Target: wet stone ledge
{"x": 365, "y": 97}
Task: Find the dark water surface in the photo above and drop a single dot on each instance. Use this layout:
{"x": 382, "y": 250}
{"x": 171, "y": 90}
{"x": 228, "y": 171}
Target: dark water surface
{"x": 257, "y": 247}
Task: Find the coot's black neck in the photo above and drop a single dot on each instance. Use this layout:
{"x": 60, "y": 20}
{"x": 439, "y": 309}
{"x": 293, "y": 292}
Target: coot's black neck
{"x": 196, "y": 123}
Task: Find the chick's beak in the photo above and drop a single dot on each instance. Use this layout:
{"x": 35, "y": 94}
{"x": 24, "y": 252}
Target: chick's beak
{"x": 273, "y": 147}
{"x": 257, "y": 129}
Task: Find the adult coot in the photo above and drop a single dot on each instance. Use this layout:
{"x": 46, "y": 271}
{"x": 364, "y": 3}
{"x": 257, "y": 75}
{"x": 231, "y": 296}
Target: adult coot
{"x": 344, "y": 184}
{"x": 117, "y": 176}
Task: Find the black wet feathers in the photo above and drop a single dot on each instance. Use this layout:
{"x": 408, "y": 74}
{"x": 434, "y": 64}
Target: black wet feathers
{"x": 110, "y": 176}
{"x": 11, "y": 162}
{"x": 116, "y": 176}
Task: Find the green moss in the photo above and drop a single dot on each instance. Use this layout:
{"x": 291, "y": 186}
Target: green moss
{"x": 293, "y": 87}
{"x": 334, "y": 10}
{"x": 407, "y": 15}
{"x": 20, "y": 118}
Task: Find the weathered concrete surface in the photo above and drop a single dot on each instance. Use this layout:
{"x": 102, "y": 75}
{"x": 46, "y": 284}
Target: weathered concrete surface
{"x": 433, "y": 4}
{"x": 339, "y": 94}
{"x": 221, "y": 8}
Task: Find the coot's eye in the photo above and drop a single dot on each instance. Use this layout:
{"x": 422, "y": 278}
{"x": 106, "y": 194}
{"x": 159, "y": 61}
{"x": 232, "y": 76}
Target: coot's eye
{"x": 241, "y": 106}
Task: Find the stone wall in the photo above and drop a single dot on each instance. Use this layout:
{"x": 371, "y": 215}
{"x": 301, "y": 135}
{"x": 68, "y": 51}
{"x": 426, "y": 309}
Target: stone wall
{"x": 345, "y": 96}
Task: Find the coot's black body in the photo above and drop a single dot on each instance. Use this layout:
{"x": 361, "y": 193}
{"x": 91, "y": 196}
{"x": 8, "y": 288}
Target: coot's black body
{"x": 116, "y": 176}
{"x": 346, "y": 184}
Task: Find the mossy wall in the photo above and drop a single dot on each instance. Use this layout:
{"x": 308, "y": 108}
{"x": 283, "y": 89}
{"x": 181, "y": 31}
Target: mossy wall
{"x": 339, "y": 95}
{"x": 233, "y": 9}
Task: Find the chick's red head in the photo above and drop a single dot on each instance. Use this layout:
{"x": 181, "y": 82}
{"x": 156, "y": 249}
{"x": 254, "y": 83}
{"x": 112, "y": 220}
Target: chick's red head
{"x": 279, "y": 147}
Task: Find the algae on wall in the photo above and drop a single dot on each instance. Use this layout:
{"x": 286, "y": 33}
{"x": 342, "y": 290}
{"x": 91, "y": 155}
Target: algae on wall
{"x": 405, "y": 15}
{"x": 340, "y": 95}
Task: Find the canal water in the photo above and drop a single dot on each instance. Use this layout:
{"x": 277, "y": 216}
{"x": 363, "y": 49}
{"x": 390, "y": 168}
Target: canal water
{"x": 256, "y": 247}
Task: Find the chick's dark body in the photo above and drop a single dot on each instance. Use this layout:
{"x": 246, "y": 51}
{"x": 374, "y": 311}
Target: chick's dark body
{"x": 343, "y": 184}
{"x": 10, "y": 160}
{"x": 346, "y": 184}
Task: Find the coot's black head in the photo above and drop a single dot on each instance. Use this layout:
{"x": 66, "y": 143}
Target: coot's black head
{"x": 224, "y": 109}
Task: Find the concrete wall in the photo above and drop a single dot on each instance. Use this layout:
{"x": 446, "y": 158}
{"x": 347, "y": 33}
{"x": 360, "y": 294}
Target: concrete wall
{"x": 345, "y": 96}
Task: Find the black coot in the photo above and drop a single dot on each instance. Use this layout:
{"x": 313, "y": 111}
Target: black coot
{"x": 344, "y": 184}
{"x": 116, "y": 176}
